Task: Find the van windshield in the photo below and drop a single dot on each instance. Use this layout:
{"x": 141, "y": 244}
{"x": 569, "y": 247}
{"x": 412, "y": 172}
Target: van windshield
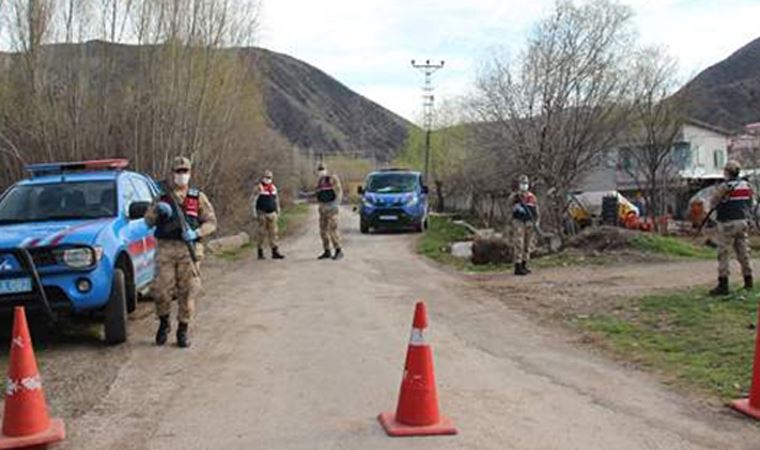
{"x": 58, "y": 201}
{"x": 391, "y": 183}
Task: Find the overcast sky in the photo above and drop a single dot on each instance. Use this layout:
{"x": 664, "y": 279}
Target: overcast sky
{"x": 368, "y": 44}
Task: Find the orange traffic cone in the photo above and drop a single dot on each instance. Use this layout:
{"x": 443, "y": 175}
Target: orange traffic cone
{"x": 26, "y": 422}
{"x": 417, "y": 412}
{"x": 751, "y": 406}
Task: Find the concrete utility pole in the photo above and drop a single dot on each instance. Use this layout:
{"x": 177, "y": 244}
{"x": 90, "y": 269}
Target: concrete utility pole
{"x": 428, "y": 101}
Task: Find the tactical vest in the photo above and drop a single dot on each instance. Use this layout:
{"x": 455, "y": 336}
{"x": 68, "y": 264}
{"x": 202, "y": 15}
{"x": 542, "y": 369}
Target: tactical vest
{"x": 737, "y": 203}
{"x": 267, "y": 200}
{"x": 172, "y": 228}
{"x": 527, "y": 210}
{"x": 325, "y": 190}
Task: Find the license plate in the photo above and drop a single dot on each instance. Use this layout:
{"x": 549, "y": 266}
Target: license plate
{"x": 15, "y": 286}
{"x": 388, "y": 217}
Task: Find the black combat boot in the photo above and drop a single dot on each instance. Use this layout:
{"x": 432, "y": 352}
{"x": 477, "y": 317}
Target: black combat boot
{"x": 749, "y": 283}
{"x": 525, "y": 268}
{"x": 325, "y": 255}
{"x": 261, "y": 253}
{"x": 338, "y": 254}
{"x": 722, "y": 288}
{"x": 183, "y": 341}
{"x": 519, "y": 270}
{"x": 164, "y": 327}
{"x": 276, "y": 253}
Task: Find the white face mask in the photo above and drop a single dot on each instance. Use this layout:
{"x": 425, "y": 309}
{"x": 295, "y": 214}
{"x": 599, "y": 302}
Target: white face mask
{"x": 322, "y": 173}
{"x": 267, "y": 180}
{"x": 524, "y": 187}
{"x": 181, "y": 179}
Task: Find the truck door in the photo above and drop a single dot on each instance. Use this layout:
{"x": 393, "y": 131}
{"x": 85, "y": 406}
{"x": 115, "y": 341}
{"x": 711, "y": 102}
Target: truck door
{"x": 142, "y": 242}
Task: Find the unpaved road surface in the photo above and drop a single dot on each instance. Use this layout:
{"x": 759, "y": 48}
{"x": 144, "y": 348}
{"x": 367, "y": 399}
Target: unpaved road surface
{"x": 303, "y": 354}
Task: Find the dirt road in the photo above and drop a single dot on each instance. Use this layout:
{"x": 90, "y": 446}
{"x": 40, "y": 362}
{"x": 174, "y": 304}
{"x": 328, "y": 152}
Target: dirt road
{"x": 303, "y": 354}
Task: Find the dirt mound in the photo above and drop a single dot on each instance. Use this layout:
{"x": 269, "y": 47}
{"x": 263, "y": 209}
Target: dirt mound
{"x": 602, "y": 239}
{"x": 491, "y": 251}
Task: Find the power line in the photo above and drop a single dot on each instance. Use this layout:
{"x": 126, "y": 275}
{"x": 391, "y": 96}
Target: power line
{"x": 428, "y": 102}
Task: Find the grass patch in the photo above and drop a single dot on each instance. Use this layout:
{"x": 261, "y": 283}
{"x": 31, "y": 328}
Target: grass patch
{"x": 436, "y": 242}
{"x": 237, "y": 254}
{"x": 436, "y": 245}
{"x": 671, "y": 246}
{"x": 701, "y": 342}
{"x": 439, "y": 236}
{"x": 292, "y": 216}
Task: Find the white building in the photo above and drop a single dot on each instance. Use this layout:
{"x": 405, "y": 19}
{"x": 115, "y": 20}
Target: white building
{"x": 700, "y": 153}
{"x": 706, "y": 150}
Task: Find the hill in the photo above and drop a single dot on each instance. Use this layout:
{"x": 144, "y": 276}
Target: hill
{"x": 315, "y": 111}
{"x": 309, "y": 108}
{"x": 727, "y": 94}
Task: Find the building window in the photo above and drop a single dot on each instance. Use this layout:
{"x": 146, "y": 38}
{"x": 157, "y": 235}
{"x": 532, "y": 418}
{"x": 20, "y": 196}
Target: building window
{"x": 681, "y": 155}
{"x": 626, "y": 159}
{"x": 719, "y": 158}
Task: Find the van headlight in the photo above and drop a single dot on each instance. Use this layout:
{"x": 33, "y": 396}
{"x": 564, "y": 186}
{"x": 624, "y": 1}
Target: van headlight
{"x": 367, "y": 202}
{"x": 412, "y": 200}
{"x": 81, "y": 257}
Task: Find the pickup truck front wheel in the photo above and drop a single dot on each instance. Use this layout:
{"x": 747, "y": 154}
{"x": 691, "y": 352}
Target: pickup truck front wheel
{"x": 116, "y": 310}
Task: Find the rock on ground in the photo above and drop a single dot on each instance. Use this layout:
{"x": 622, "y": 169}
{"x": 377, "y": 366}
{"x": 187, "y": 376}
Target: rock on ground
{"x": 229, "y": 243}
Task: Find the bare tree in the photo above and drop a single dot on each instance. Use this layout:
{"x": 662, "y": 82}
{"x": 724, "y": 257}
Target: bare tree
{"x": 650, "y": 155}
{"x": 188, "y": 87}
{"x": 558, "y": 108}
{"x": 29, "y": 28}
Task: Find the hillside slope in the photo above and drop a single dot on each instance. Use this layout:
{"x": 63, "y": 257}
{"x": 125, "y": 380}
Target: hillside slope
{"x": 727, "y": 94}
{"x": 315, "y": 111}
{"x": 309, "y": 108}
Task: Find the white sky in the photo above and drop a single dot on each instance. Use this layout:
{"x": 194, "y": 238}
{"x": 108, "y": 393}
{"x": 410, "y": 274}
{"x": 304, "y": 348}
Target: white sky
{"x": 368, "y": 44}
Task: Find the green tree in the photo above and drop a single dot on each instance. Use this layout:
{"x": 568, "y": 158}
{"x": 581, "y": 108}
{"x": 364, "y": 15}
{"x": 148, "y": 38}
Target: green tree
{"x": 448, "y": 150}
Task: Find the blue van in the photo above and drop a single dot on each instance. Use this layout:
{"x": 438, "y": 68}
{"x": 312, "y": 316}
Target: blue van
{"x": 393, "y": 199}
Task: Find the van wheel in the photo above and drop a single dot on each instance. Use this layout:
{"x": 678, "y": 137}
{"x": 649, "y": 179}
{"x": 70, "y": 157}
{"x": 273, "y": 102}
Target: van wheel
{"x": 363, "y": 227}
{"x": 116, "y": 310}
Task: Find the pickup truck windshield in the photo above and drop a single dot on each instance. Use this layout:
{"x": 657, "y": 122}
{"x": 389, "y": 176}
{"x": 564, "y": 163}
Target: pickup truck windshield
{"x": 391, "y": 183}
{"x": 58, "y": 201}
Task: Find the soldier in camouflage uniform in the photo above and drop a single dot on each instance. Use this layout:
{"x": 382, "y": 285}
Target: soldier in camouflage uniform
{"x": 177, "y": 274}
{"x": 525, "y": 216}
{"x": 266, "y": 210}
{"x": 329, "y": 195}
{"x": 733, "y": 204}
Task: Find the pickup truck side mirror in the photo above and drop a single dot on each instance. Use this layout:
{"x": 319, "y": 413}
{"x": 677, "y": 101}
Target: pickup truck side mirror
{"x": 137, "y": 210}
{"x": 360, "y": 190}
{"x": 425, "y": 190}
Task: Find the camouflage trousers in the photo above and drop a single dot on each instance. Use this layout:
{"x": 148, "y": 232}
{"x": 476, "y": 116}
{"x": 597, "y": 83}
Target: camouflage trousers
{"x": 733, "y": 234}
{"x": 522, "y": 241}
{"x": 176, "y": 279}
{"x": 267, "y": 231}
{"x": 328, "y": 226}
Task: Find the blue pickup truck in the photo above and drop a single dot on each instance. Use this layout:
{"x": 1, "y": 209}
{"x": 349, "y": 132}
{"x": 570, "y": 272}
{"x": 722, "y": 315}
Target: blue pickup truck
{"x": 73, "y": 241}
